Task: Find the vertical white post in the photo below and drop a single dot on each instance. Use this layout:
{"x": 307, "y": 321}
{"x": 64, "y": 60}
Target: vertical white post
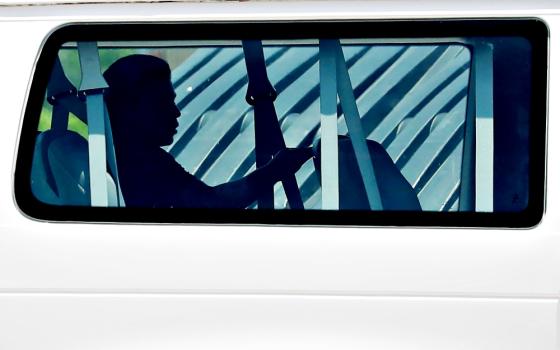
{"x": 93, "y": 84}
{"x": 484, "y": 150}
{"x": 329, "y": 127}
{"x": 355, "y": 130}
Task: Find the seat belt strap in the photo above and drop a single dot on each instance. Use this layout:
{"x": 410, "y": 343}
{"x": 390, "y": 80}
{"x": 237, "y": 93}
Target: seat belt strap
{"x": 353, "y": 121}
{"x": 268, "y": 134}
{"x": 92, "y": 87}
{"x": 59, "y": 89}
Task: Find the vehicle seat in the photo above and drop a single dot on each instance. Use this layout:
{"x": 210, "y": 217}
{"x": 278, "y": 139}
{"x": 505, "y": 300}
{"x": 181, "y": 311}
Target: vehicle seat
{"x": 395, "y": 191}
{"x": 60, "y": 170}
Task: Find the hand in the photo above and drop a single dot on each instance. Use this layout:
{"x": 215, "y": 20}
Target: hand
{"x": 287, "y": 161}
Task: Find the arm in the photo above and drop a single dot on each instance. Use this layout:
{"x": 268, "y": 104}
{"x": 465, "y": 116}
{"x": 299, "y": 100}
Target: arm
{"x": 241, "y": 193}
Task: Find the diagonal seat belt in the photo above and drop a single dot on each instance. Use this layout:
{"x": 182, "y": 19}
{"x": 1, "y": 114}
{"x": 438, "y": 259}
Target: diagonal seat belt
{"x": 268, "y": 135}
{"x": 334, "y": 79}
{"x": 100, "y": 140}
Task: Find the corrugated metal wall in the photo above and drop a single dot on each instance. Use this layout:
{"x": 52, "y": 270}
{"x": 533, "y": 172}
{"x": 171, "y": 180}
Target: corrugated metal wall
{"x": 412, "y": 100}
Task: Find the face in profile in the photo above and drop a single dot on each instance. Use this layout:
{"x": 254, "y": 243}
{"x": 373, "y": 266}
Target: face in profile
{"x": 157, "y": 113}
{"x": 141, "y": 101}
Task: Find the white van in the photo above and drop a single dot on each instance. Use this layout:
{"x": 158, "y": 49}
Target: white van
{"x": 285, "y": 175}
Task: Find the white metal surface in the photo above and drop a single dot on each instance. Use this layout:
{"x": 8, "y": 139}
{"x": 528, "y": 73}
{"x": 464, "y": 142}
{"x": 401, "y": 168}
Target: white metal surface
{"x": 79, "y": 286}
{"x": 140, "y": 322}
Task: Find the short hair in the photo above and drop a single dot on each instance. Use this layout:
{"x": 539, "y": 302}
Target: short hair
{"x": 129, "y": 76}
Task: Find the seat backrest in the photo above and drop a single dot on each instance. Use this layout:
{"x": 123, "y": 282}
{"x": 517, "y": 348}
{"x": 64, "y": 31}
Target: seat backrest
{"x": 395, "y": 191}
{"x": 60, "y": 170}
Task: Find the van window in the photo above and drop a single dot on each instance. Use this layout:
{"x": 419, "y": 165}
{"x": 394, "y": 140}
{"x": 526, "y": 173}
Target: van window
{"x": 326, "y": 124}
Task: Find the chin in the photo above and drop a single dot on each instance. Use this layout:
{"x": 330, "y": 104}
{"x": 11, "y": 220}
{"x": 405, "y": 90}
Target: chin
{"x": 166, "y": 142}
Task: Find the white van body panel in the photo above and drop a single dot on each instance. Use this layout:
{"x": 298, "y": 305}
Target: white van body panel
{"x": 107, "y": 286}
{"x": 141, "y": 322}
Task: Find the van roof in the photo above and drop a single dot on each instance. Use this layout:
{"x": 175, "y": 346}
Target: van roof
{"x": 381, "y": 5}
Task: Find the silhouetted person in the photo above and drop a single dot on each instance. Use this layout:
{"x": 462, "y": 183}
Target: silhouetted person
{"x": 140, "y": 100}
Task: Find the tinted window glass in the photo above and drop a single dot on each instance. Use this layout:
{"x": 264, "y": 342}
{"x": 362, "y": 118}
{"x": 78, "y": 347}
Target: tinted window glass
{"x": 338, "y": 123}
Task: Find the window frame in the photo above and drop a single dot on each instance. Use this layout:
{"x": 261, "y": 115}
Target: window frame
{"x": 398, "y": 31}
